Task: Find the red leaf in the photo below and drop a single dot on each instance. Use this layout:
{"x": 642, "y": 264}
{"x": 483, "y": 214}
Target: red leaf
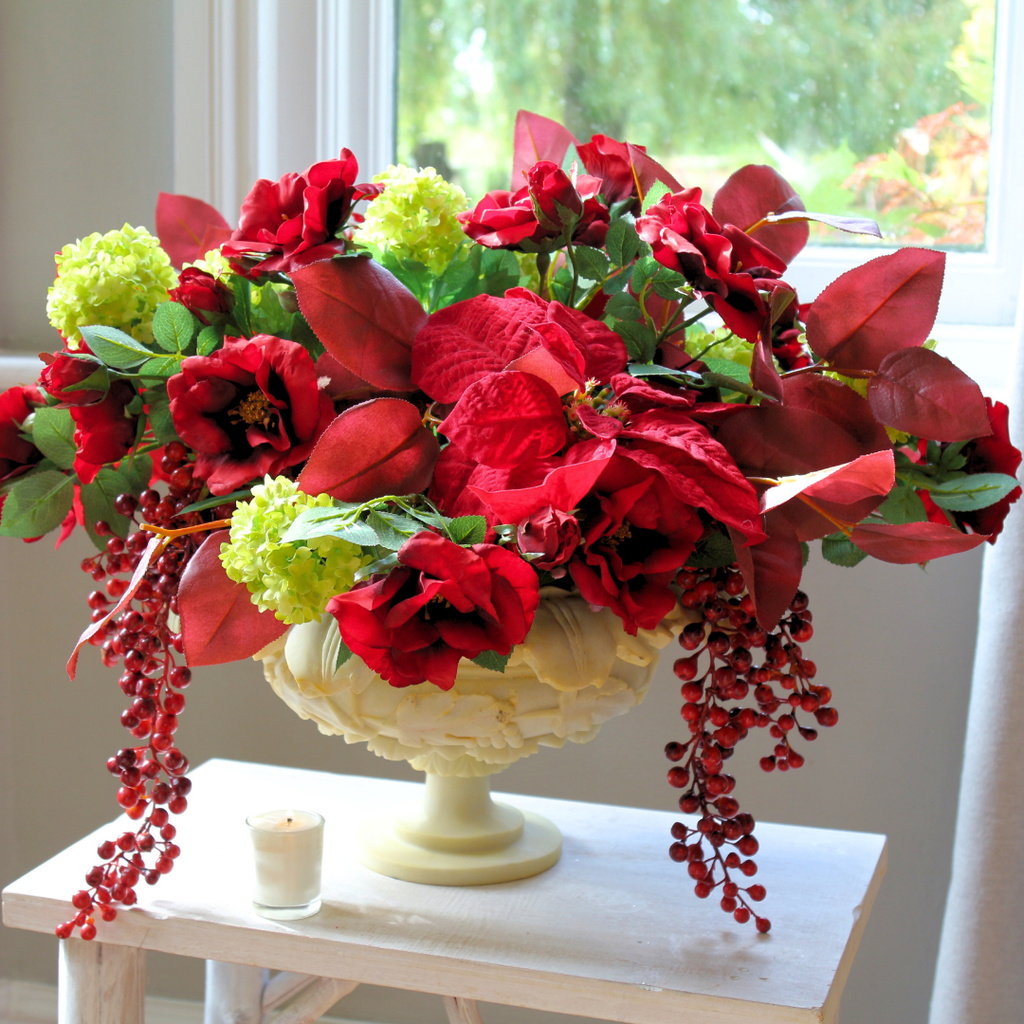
{"x": 922, "y": 393}
{"x": 152, "y": 550}
{"x": 646, "y": 171}
{"x": 869, "y": 475}
{"x": 913, "y": 542}
{"x": 749, "y": 195}
{"x": 507, "y": 418}
{"x": 219, "y": 622}
{"x": 771, "y": 569}
{"x": 885, "y": 305}
{"x": 537, "y": 138}
{"x": 188, "y": 228}
{"x": 763, "y": 373}
{"x": 838, "y": 403}
{"x": 376, "y": 448}
{"x": 365, "y": 317}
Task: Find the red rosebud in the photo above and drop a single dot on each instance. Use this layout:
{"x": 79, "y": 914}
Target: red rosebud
{"x": 553, "y": 535}
{"x": 300, "y": 218}
{"x": 609, "y": 160}
{"x": 442, "y": 603}
{"x": 252, "y": 407}
{"x": 201, "y": 293}
{"x": 992, "y": 454}
{"x": 104, "y": 431}
{"x": 62, "y": 372}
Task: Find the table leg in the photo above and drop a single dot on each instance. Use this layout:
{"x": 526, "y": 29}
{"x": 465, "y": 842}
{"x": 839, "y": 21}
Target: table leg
{"x": 234, "y": 993}
{"x": 461, "y": 1011}
{"x": 100, "y": 984}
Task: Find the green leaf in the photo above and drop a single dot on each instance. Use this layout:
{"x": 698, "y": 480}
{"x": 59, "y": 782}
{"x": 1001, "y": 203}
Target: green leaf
{"x": 668, "y": 284}
{"x": 838, "y": 550}
{"x": 805, "y": 553}
{"x": 727, "y": 368}
{"x": 162, "y": 367}
{"x": 209, "y": 340}
{"x": 354, "y": 532}
{"x": 136, "y": 473}
{"x": 561, "y": 285}
{"x": 623, "y": 307}
{"x": 115, "y": 348}
{"x": 98, "y": 505}
{"x": 173, "y": 325}
{"x": 98, "y": 380}
{"x": 492, "y": 660}
{"x": 712, "y": 551}
{"x": 641, "y": 341}
{"x": 468, "y": 529}
{"x": 622, "y": 242}
{"x": 37, "y": 504}
{"x": 217, "y": 499}
{"x": 902, "y": 506}
{"x": 592, "y": 264}
{"x": 53, "y": 433}
{"x": 381, "y": 565}
{"x": 243, "y": 304}
{"x": 392, "y": 531}
{"x": 160, "y": 415}
{"x": 616, "y": 283}
{"x": 655, "y": 194}
{"x": 658, "y": 370}
{"x": 344, "y": 653}
{"x": 969, "y": 493}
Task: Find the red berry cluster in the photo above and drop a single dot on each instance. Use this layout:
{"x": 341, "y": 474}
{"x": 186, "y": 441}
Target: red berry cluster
{"x": 140, "y": 635}
{"x": 727, "y": 633}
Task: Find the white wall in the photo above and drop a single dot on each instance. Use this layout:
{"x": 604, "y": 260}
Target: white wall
{"x": 85, "y": 110}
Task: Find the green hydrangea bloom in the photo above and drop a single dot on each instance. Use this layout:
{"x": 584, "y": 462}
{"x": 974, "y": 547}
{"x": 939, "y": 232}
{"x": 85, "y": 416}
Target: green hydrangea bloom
{"x": 415, "y": 217}
{"x": 723, "y": 347}
{"x": 117, "y": 280}
{"x": 294, "y": 580}
{"x": 215, "y": 264}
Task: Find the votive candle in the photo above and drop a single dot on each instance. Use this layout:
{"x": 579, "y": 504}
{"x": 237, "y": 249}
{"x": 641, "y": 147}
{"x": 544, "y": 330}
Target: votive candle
{"x": 288, "y": 848}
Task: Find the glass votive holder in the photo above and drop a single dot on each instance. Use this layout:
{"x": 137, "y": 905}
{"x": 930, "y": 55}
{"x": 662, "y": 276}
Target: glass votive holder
{"x": 288, "y": 847}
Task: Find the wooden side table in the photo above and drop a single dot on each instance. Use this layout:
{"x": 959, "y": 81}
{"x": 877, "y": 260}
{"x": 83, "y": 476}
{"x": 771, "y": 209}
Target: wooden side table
{"x": 612, "y": 931}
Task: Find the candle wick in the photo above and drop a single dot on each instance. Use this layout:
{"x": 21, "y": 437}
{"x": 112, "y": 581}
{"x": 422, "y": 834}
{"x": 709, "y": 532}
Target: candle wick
{"x": 289, "y": 821}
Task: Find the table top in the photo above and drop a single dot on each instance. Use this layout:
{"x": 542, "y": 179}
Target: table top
{"x": 611, "y": 931}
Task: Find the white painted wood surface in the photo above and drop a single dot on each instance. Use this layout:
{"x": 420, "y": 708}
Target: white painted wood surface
{"x": 314, "y": 1001}
{"x": 612, "y": 931}
{"x": 461, "y": 1011}
{"x": 234, "y": 993}
{"x": 282, "y": 987}
{"x": 100, "y": 983}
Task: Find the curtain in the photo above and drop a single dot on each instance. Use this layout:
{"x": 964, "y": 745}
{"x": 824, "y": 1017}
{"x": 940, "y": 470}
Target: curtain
{"x": 979, "y": 976}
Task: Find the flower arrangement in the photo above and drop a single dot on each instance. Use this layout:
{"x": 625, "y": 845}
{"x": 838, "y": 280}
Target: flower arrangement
{"x": 413, "y": 422}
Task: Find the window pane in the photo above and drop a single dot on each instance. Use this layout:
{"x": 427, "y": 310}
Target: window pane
{"x": 874, "y": 107}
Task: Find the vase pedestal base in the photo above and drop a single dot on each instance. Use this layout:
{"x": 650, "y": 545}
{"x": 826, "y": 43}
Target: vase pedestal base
{"x": 459, "y": 836}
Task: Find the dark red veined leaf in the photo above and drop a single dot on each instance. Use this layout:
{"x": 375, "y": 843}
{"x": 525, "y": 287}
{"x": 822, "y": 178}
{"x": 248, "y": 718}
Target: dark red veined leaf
{"x": 771, "y": 569}
{"x": 537, "y": 138}
{"x": 907, "y": 543}
{"x": 887, "y": 304}
{"x": 149, "y": 554}
{"x": 365, "y": 317}
{"x": 763, "y": 373}
{"x": 870, "y": 475}
{"x": 840, "y": 404}
{"x": 219, "y": 622}
{"x": 749, "y": 195}
{"x": 922, "y": 393}
{"x": 854, "y": 225}
{"x": 507, "y": 418}
{"x": 646, "y": 171}
{"x": 188, "y": 228}
{"x": 376, "y": 448}
{"x": 340, "y": 383}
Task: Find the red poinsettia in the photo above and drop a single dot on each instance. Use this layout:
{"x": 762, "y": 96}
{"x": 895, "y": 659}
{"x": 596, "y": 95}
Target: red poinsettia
{"x": 251, "y": 408}
{"x": 549, "y": 210}
{"x": 724, "y": 264}
{"x": 442, "y": 603}
{"x": 298, "y": 219}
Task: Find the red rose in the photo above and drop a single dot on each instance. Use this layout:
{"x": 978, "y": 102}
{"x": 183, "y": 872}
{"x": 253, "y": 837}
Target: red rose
{"x": 201, "y": 293}
{"x": 721, "y": 263}
{"x": 64, "y": 370}
{"x": 992, "y": 454}
{"x": 553, "y": 535}
{"x": 104, "y": 431}
{"x": 17, "y": 455}
{"x": 546, "y": 213}
{"x": 251, "y": 408}
{"x": 609, "y": 160}
{"x": 442, "y": 603}
{"x": 300, "y": 218}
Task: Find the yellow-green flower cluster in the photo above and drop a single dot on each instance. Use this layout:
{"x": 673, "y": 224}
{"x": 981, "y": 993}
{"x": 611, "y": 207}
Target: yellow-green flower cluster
{"x": 215, "y": 264}
{"x": 722, "y": 345}
{"x": 294, "y": 580}
{"x": 117, "y": 280}
{"x": 415, "y": 217}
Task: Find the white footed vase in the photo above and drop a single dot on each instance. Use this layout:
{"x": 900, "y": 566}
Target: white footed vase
{"x": 577, "y": 669}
